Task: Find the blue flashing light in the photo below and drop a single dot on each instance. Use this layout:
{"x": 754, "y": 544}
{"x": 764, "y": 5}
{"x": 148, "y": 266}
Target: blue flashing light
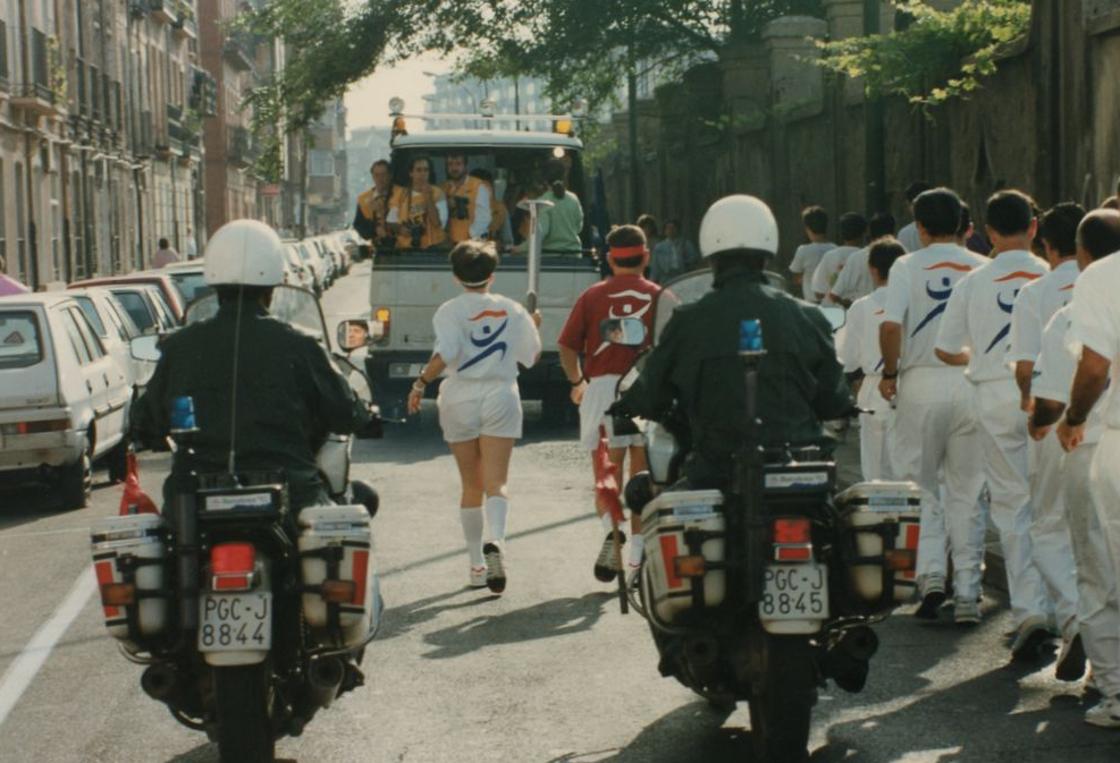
{"x": 750, "y": 336}
{"x": 182, "y": 414}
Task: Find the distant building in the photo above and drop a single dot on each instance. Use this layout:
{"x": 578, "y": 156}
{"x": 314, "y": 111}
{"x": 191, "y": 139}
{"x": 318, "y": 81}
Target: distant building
{"x": 327, "y": 194}
{"x": 520, "y": 95}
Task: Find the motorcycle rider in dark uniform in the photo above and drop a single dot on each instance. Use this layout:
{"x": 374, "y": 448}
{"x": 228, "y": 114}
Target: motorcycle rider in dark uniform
{"x": 288, "y": 395}
{"x": 696, "y": 365}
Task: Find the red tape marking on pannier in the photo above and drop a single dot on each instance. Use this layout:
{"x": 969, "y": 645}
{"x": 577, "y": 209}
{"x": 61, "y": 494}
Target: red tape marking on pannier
{"x": 104, "y": 576}
{"x": 669, "y": 552}
{"x": 361, "y": 567}
{"x": 913, "y": 531}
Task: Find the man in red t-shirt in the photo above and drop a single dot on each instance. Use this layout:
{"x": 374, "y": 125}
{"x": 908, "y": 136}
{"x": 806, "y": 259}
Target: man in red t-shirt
{"x": 626, "y": 294}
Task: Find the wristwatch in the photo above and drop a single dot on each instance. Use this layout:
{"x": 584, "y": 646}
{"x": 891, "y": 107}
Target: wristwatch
{"x": 890, "y": 376}
{"x": 1074, "y": 421}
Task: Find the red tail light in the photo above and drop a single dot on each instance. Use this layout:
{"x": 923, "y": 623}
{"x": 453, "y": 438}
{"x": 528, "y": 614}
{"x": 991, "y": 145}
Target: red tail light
{"x": 232, "y": 566}
{"x": 792, "y": 530}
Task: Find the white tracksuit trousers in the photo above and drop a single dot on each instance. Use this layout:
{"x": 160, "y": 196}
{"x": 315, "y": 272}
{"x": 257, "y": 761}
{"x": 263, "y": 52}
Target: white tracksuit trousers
{"x": 935, "y": 438}
{"x": 1003, "y": 438}
{"x": 1097, "y": 587}
{"x": 1051, "y": 548}
{"x": 875, "y": 443}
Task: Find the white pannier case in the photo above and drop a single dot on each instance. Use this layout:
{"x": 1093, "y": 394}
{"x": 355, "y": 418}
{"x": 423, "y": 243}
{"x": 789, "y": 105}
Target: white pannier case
{"x": 336, "y": 543}
{"x": 132, "y": 549}
{"x": 676, "y": 525}
{"x": 884, "y": 521}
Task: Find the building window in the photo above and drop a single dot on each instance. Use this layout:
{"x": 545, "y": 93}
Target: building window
{"x": 21, "y": 226}
{"x": 56, "y": 226}
{"x": 320, "y": 163}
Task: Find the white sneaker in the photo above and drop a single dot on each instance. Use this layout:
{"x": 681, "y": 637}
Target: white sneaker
{"x": 1105, "y": 715}
{"x": 967, "y": 613}
{"x": 478, "y": 577}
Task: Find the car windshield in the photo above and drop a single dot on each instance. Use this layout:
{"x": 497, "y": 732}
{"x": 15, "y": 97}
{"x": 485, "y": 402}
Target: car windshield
{"x": 290, "y": 304}
{"x": 21, "y": 344}
{"x": 137, "y": 309}
{"x": 191, "y": 285}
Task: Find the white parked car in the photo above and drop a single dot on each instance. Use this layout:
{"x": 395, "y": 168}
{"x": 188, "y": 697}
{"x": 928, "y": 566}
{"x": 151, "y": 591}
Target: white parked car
{"x": 64, "y": 400}
{"x": 296, "y": 271}
{"x": 116, "y": 329}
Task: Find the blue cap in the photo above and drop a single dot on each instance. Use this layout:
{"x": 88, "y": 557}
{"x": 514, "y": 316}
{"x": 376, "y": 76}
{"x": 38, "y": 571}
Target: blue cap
{"x": 750, "y": 336}
{"x": 182, "y": 414}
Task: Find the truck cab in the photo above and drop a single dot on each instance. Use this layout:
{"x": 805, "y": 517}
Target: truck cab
{"x": 408, "y": 285}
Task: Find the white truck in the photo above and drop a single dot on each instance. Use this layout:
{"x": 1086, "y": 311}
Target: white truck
{"x": 407, "y": 286}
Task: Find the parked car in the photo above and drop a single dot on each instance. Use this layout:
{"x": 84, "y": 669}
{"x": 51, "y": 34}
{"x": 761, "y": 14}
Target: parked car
{"x": 309, "y": 255}
{"x": 326, "y": 256}
{"x": 351, "y": 243}
{"x": 116, "y": 329}
{"x": 296, "y": 271}
{"x": 335, "y": 243}
{"x": 144, "y": 303}
{"x": 160, "y": 279}
{"x": 64, "y": 400}
{"x": 190, "y": 279}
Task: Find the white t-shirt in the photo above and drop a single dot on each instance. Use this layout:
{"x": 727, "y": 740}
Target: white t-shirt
{"x": 854, "y": 280}
{"x": 917, "y": 293}
{"x": 1055, "y": 369}
{"x": 979, "y": 313}
{"x": 1095, "y": 313}
{"x": 910, "y": 238}
{"x": 485, "y": 336}
{"x": 829, "y": 269}
{"x": 805, "y": 261}
{"x": 1035, "y": 306}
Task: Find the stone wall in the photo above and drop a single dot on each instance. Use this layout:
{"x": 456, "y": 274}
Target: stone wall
{"x": 764, "y": 120}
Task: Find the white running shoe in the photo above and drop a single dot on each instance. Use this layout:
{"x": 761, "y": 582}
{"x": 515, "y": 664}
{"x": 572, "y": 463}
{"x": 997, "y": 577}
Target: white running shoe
{"x": 478, "y": 577}
{"x": 495, "y": 568}
{"x": 1106, "y": 715}
{"x": 967, "y": 613}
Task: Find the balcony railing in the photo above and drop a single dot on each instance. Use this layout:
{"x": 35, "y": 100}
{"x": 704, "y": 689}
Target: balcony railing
{"x": 164, "y": 11}
{"x": 36, "y": 93}
{"x": 242, "y": 150}
{"x": 185, "y": 25}
{"x": 238, "y": 52}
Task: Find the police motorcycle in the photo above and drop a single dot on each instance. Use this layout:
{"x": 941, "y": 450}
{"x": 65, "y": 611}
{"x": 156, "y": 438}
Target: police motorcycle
{"x": 762, "y": 592}
{"x": 247, "y": 618}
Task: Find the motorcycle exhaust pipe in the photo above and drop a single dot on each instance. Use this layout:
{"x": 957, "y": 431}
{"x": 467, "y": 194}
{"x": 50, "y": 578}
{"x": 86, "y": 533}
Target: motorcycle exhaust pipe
{"x": 860, "y": 643}
{"x": 324, "y": 677}
{"x": 160, "y": 681}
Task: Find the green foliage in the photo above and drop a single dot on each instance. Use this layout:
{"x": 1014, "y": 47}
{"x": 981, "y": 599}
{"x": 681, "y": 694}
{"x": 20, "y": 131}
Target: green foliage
{"x": 941, "y": 54}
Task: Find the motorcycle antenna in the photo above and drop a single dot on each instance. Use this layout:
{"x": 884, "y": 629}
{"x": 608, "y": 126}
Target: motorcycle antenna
{"x": 233, "y": 397}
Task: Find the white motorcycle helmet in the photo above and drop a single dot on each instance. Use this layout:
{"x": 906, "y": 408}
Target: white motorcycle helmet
{"x": 736, "y": 223}
{"x": 244, "y": 253}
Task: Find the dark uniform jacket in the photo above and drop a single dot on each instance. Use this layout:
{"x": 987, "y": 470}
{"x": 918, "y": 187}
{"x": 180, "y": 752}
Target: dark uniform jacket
{"x": 370, "y": 213}
{"x": 289, "y": 397}
{"x": 696, "y": 363}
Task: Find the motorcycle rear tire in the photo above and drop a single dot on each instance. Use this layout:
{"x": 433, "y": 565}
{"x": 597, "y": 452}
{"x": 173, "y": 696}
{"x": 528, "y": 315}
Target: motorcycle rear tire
{"x": 244, "y": 727}
{"x": 781, "y": 708}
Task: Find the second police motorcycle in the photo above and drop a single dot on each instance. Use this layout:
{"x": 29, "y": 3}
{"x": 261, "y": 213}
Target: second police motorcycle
{"x": 762, "y": 592}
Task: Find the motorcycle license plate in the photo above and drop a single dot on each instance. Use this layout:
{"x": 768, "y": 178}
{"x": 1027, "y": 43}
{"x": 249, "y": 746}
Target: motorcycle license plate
{"x": 794, "y": 592}
{"x": 235, "y": 622}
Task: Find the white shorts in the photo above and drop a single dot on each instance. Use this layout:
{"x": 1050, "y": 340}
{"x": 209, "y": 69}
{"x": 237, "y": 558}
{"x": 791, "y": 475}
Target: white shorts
{"x": 471, "y": 408}
{"x": 600, "y": 396}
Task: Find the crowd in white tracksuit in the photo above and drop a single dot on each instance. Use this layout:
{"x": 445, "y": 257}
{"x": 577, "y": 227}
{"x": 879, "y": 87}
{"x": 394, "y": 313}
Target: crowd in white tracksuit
{"x": 988, "y": 379}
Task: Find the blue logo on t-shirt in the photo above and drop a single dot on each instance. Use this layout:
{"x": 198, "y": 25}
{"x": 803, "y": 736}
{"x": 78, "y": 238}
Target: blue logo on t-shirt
{"x": 488, "y": 343}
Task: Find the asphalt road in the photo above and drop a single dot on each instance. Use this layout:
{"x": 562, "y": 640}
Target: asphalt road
{"x": 550, "y": 671}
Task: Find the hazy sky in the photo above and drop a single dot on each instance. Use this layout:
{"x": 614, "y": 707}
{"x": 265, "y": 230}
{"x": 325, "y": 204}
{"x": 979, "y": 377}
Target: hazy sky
{"x": 367, "y": 102}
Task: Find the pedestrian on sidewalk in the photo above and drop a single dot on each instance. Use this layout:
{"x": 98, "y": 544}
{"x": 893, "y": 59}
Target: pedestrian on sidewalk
{"x": 934, "y": 435}
{"x": 673, "y": 256}
{"x": 649, "y": 226}
{"x": 863, "y": 362}
{"x": 595, "y": 366}
{"x": 808, "y": 256}
{"x": 975, "y": 334}
{"x": 909, "y": 236}
{"x": 1098, "y": 604}
{"x": 191, "y": 246}
{"x": 855, "y": 281}
{"x": 165, "y": 255}
{"x": 1052, "y": 551}
{"x": 853, "y": 234}
{"x": 481, "y": 338}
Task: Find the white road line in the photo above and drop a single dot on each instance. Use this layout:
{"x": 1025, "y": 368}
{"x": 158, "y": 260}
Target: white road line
{"x": 23, "y": 669}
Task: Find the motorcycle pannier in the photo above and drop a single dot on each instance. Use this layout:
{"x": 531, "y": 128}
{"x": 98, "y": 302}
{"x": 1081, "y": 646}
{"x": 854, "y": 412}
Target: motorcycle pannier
{"x": 680, "y": 530}
{"x": 335, "y": 545}
{"x": 883, "y": 519}
{"x": 131, "y": 550}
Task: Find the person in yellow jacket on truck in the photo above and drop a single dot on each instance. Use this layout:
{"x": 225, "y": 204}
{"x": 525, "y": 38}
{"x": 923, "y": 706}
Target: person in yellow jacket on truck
{"x": 418, "y": 211}
{"x": 468, "y": 199}
{"x": 373, "y": 204}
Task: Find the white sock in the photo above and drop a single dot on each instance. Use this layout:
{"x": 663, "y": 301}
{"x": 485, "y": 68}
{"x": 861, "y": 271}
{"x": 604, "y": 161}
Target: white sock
{"x": 472, "y": 521}
{"x": 637, "y": 544}
{"x": 608, "y": 525}
{"x": 497, "y": 510}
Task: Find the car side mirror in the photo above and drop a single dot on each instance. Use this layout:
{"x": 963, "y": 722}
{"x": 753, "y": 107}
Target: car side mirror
{"x": 145, "y": 347}
{"x": 354, "y": 334}
{"x": 836, "y": 316}
{"x": 628, "y": 332}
